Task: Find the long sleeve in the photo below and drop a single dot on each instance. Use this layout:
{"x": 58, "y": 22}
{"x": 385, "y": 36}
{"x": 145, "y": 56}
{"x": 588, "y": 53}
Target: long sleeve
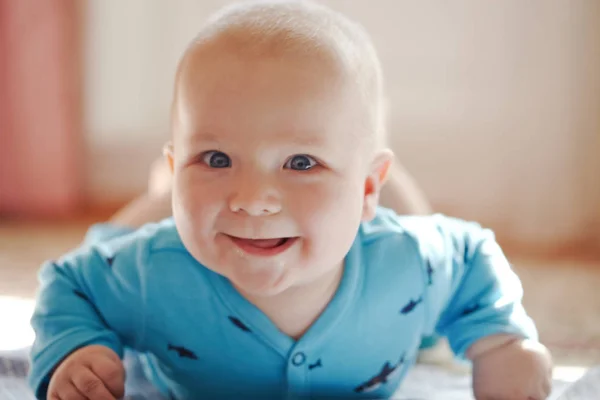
{"x": 90, "y": 296}
{"x": 477, "y": 292}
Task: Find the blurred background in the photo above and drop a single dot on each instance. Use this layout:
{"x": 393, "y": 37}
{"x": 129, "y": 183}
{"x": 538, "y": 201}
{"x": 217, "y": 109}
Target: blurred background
{"x": 495, "y": 111}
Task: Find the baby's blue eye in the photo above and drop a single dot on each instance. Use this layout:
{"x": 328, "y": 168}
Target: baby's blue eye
{"x": 216, "y": 159}
{"x": 300, "y": 162}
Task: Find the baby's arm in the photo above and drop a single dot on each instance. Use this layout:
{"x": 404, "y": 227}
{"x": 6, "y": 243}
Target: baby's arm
{"x": 484, "y": 318}
{"x": 510, "y": 367}
{"x": 152, "y": 205}
{"x": 88, "y": 308}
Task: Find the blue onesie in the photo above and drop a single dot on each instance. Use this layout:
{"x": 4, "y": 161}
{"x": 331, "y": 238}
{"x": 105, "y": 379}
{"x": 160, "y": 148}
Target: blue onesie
{"x": 404, "y": 278}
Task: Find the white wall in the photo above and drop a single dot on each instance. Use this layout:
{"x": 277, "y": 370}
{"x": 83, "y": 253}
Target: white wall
{"x": 495, "y": 104}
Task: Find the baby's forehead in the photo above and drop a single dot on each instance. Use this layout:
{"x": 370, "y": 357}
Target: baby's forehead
{"x": 294, "y": 105}
{"x": 226, "y": 53}
{"x": 217, "y": 77}
{"x": 276, "y": 103}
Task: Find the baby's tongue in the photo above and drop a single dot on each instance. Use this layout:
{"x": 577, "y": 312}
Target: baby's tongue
{"x": 264, "y": 243}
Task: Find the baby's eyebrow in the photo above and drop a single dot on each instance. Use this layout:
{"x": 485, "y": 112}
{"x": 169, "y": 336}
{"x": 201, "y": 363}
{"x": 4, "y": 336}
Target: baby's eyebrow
{"x": 204, "y": 137}
{"x": 308, "y": 141}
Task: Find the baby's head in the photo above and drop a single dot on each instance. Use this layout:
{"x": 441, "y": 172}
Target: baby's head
{"x": 277, "y": 150}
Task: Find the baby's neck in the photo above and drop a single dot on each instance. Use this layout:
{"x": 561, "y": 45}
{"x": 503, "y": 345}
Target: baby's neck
{"x": 296, "y": 309}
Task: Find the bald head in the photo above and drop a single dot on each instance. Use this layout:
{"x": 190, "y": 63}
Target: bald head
{"x": 297, "y": 31}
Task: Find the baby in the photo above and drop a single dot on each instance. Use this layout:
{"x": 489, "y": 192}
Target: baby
{"x": 278, "y": 275}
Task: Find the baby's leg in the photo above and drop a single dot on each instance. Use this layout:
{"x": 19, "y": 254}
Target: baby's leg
{"x": 142, "y": 210}
{"x": 151, "y": 206}
{"x": 402, "y": 194}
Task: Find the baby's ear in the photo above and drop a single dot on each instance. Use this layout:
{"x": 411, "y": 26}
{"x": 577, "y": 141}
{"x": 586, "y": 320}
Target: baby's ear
{"x": 378, "y": 174}
{"x": 168, "y": 153}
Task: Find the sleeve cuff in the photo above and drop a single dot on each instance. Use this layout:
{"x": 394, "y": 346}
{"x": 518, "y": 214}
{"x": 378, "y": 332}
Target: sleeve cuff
{"x": 460, "y": 342}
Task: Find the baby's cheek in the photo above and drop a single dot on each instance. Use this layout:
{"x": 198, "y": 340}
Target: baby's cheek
{"x": 314, "y": 206}
{"x": 330, "y": 215}
{"x": 196, "y": 212}
{"x": 200, "y": 199}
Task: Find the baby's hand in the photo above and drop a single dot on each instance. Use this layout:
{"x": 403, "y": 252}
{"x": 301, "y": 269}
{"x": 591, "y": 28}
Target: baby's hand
{"x": 519, "y": 370}
{"x": 92, "y": 372}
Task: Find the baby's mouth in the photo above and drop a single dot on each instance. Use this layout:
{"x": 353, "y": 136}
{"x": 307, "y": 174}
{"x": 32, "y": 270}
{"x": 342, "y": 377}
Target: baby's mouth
{"x": 263, "y": 246}
{"x": 264, "y": 243}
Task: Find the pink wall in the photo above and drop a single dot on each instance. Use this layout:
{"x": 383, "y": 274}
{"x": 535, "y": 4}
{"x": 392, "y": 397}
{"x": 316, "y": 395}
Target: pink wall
{"x": 40, "y": 112}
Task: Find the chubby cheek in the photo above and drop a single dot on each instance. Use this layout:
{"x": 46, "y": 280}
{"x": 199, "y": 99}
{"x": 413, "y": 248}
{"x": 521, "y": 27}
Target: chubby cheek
{"x": 195, "y": 208}
{"x": 201, "y": 201}
{"x": 329, "y": 216}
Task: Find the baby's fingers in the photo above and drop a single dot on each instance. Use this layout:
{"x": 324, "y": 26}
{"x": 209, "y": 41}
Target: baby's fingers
{"x": 90, "y": 385}
{"x": 541, "y": 394}
{"x": 66, "y": 392}
{"x": 111, "y": 372}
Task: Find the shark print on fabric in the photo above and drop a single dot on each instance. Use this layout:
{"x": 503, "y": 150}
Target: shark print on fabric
{"x": 411, "y": 305}
{"x": 430, "y": 272}
{"x": 110, "y": 260}
{"x": 315, "y": 365}
{"x": 183, "y": 352}
{"x": 83, "y": 296}
{"x": 239, "y": 324}
{"x": 386, "y": 373}
{"x": 470, "y": 310}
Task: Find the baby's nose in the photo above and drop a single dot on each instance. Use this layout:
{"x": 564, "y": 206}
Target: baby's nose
{"x": 255, "y": 200}
{"x": 256, "y": 209}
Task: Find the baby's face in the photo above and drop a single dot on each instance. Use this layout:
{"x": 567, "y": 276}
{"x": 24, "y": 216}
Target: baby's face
{"x": 269, "y": 168}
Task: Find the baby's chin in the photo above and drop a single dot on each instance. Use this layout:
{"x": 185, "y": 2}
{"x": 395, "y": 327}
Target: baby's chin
{"x": 265, "y": 284}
